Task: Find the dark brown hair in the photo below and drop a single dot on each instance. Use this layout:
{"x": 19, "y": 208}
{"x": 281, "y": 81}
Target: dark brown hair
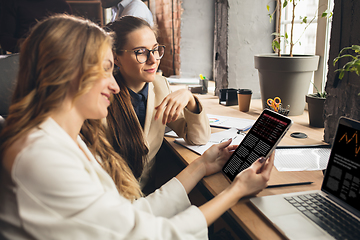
{"x": 125, "y": 132}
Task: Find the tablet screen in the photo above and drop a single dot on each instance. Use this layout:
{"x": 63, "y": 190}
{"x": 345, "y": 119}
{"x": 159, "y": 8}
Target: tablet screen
{"x": 261, "y": 139}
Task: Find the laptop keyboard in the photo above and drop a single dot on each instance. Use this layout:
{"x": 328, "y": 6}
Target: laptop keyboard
{"x": 327, "y": 215}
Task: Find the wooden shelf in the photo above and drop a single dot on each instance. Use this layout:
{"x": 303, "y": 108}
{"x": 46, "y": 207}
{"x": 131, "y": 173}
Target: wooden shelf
{"x": 88, "y": 9}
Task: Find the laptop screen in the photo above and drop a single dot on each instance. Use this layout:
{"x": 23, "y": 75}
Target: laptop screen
{"x": 342, "y": 178}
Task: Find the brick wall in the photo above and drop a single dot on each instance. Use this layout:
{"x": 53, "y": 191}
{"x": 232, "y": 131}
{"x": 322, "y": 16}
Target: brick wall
{"x": 168, "y": 18}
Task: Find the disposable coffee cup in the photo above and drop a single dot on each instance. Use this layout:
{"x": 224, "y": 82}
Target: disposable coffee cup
{"x": 244, "y": 98}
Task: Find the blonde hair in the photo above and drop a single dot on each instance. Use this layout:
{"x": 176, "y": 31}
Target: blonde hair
{"x": 63, "y": 51}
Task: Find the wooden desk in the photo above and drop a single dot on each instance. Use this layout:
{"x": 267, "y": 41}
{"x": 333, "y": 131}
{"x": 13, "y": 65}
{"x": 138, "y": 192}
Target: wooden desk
{"x": 245, "y": 215}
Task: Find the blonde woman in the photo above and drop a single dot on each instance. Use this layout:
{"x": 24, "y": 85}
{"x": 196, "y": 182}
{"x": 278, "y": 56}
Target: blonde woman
{"x": 54, "y": 187}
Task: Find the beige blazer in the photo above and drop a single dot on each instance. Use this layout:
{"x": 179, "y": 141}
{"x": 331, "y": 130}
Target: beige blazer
{"x": 194, "y": 128}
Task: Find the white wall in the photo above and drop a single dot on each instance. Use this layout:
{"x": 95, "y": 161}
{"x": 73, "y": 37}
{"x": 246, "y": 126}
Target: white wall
{"x": 249, "y": 34}
{"x": 197, "y": 38}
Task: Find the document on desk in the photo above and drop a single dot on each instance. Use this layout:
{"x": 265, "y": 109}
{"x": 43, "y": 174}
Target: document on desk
{"x": 170, "y": 133}
{"x": 299, "y": 158}
{"x": 218, "y": 121}
{"x": 214, "y": 139}
{"x": 241, "y": 124}
{"x": 187, "y": 81}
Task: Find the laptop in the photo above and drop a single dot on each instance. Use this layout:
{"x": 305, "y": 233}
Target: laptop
{"x": 307, "y": 215}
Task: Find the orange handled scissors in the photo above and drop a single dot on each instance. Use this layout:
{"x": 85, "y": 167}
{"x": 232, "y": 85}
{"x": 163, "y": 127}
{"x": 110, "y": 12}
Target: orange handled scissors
{"x": 274, "y": 104}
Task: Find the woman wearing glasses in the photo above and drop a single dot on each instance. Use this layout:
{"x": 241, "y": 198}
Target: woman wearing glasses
{"x": 145, "y": 104}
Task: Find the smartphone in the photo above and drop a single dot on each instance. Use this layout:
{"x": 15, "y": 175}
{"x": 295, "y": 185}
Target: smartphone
{"x": 260, "y": 141}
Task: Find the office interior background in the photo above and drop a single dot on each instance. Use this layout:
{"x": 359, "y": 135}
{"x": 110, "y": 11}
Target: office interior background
{"x": 187, "y": 28}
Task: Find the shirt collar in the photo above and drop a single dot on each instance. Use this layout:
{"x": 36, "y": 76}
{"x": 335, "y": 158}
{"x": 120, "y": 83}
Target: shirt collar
{"x": 144, "y": 92}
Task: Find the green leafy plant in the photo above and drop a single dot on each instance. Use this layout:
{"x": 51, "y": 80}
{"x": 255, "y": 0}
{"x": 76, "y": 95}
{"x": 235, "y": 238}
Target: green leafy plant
{"x": 318, "y": 93}
{"x": 304, "y": 20}
{"x": 351, "y": 66}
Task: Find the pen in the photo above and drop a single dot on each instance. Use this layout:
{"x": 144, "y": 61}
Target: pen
{"x": 288, "y": 184}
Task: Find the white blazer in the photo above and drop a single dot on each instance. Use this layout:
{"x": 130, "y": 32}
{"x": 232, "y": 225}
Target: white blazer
{"x": 55, "y": 192}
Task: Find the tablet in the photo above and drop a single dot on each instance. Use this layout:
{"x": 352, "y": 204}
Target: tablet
{"x": 260, "y": 141}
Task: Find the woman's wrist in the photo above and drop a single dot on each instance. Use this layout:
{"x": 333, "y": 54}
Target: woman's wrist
{"x": 200, "y": 167}
{"x": 235, "y": 191}
{"x": 192, "y": 105}
{"x": 192, "y": 174}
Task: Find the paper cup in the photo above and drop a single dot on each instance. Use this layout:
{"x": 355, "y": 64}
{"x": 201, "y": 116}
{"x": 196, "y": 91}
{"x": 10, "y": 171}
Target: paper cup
{"x": 244, "y": 98}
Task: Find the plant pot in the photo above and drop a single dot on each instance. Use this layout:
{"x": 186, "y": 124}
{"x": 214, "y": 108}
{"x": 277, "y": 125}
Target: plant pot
{"x": 316, "y": 110}
{"x": 286, "y": 77}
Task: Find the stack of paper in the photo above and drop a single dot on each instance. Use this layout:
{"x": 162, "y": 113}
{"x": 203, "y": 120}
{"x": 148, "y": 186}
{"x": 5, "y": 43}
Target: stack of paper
{"x": 215, "y": 138}
{"x": 241, "y": 124}
{"x": 218, "y": 121}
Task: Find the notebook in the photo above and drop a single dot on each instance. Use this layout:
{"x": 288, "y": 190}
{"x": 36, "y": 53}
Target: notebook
{"x": 300, "y": 215}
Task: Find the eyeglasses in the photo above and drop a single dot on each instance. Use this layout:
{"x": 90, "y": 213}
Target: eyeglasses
{"x": 143, "y": 54}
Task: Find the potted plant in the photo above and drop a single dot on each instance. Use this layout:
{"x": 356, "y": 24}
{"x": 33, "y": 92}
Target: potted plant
{"x": 316, "y": 100}
{"x": 351, "y": 66}
{"x": 286, "y": 76}
{"x": 315, "y": 103}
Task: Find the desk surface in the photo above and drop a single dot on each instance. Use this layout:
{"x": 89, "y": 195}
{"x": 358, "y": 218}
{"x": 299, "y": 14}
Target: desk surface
{"x": 243, "y": 212}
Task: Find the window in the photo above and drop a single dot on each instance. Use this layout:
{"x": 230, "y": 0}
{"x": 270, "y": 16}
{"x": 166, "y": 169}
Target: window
{"x": 313, "y": 40}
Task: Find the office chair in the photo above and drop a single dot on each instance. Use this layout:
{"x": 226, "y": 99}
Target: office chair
{"x": 9, "y": 67}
